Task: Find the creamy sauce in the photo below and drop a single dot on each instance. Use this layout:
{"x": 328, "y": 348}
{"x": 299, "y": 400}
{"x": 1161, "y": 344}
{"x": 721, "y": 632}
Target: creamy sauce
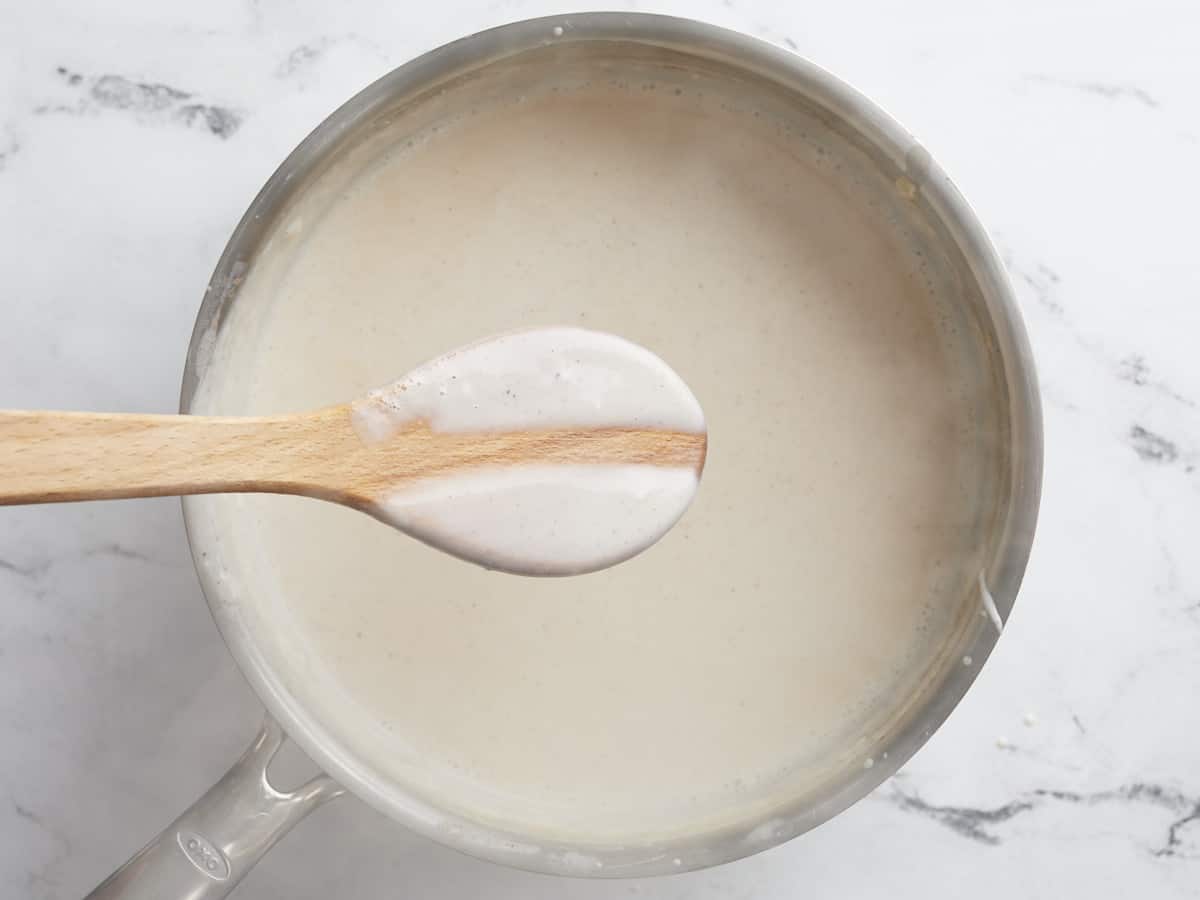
{"x": 759, "y": 651}
{"x": 539, "y": 519}
{"x": 536, "y": 379}
{"x": 544, "y": 520}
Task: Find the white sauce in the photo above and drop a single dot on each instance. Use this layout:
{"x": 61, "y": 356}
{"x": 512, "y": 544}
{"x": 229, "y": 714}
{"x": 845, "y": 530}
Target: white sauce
{"x": 539, "y": 519}
{"x": 779, "y": 631}
{"x": 988, "y": 605}
{"x": 545, "y": 520}
{"x": 541, "y": 378}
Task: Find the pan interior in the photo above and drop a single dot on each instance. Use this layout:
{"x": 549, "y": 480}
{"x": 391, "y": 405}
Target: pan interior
{"x": 823, "y": 583}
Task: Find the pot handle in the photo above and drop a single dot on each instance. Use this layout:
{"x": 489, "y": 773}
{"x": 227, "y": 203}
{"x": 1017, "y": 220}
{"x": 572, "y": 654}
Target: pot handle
{"x": 204, "y": 853}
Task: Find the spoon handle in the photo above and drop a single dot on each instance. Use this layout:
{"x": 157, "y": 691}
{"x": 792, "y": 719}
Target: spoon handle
{"x": 48, "y": 457}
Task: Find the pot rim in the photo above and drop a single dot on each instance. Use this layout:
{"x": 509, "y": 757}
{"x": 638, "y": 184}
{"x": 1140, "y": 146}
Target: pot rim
{"x": 954, "y": 214}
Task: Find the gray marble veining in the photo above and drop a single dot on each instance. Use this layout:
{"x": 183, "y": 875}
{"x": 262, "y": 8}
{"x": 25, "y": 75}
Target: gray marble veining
{"x": 131, "y": 142}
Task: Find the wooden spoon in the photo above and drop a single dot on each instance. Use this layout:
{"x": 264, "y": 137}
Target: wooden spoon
{"x": 549, "y": 452}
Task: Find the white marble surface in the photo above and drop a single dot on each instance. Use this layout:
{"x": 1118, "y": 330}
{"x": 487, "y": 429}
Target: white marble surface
{"x": 133, "y": 135}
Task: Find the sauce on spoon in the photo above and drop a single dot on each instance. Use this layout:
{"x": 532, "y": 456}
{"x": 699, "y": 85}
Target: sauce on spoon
{"x": 558, "y": 513}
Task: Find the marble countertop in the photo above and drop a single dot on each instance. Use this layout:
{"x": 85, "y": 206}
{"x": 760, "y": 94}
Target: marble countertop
{"x": 133, "y": 135}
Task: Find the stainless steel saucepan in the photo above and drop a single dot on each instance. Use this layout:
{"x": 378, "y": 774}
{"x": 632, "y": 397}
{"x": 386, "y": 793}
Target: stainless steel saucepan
{"x": 208, "y": 849}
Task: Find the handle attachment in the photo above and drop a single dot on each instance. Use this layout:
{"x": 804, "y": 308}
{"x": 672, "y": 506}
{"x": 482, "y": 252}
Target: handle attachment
{"x": 204, "y": 853}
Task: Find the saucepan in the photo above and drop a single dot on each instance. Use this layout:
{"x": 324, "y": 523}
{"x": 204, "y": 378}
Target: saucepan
{"x": 205, "y": 852}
